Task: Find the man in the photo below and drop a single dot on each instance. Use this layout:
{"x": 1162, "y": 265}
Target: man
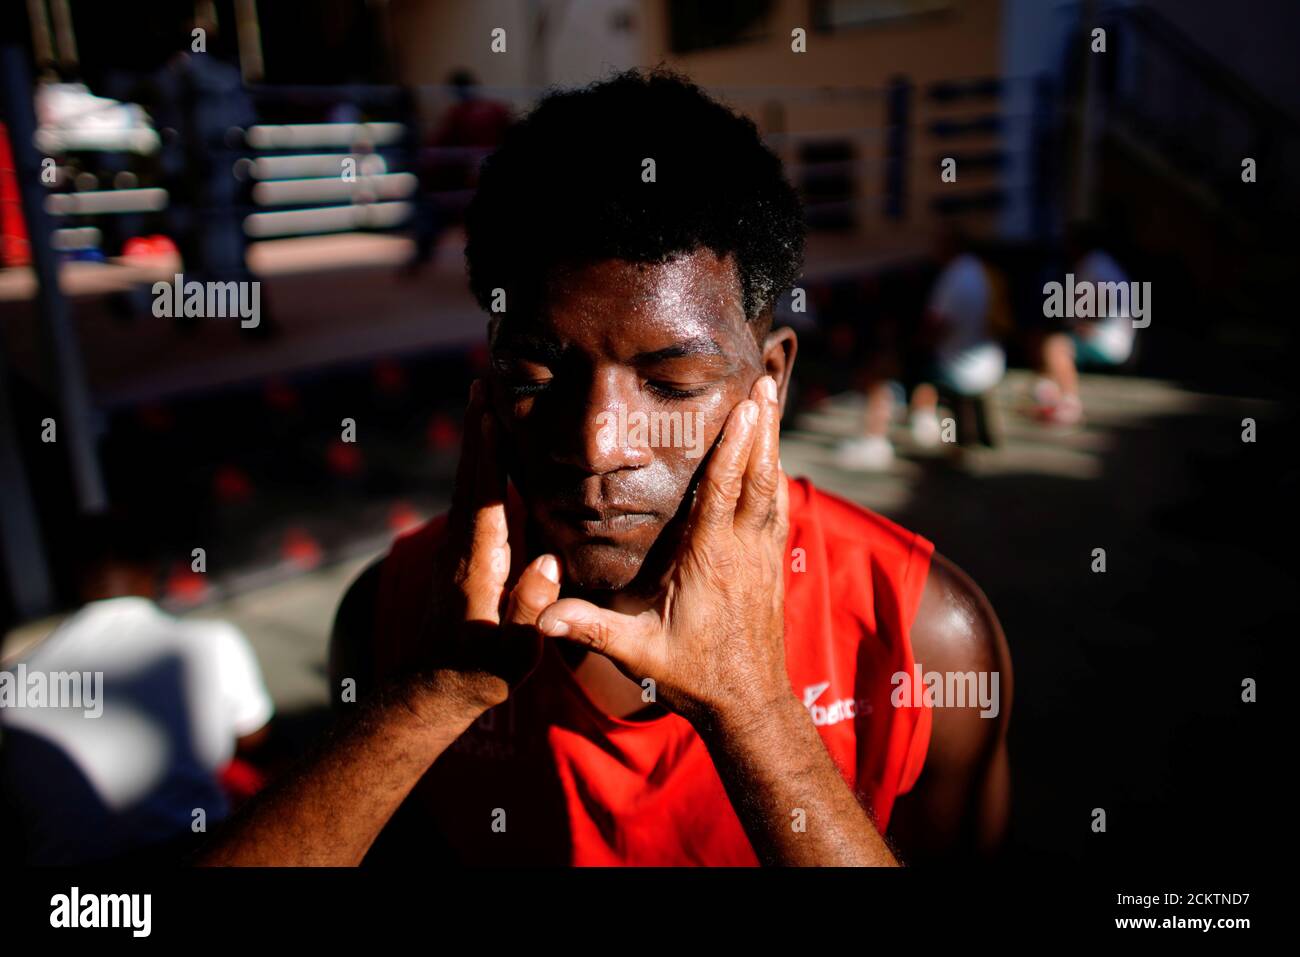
{"x": 614, "y": 650}
{"x": 179, "y": 708}
{"x": 449, "y": 165}
{"x": 1103, "y": 342}
{"x": 956, "y": 349}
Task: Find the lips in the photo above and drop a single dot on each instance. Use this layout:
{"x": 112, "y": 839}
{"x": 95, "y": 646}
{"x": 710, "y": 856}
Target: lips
{"x": 608, "y": 521}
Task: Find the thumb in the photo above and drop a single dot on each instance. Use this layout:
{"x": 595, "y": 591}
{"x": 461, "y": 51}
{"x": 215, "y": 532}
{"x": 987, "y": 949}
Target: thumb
{"x": 538, "y": 587}
{"x": 621, "y": 638}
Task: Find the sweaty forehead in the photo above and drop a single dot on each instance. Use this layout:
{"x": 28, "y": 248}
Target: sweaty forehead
{"x": 694, "y": 294}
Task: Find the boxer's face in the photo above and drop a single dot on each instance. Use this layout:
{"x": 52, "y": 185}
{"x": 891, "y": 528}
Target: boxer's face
{"x": 613, "y": 395}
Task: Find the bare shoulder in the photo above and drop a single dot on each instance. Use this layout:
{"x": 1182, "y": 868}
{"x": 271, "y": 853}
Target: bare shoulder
{"x": 956, "y": 628}
{"x": 351, "y": 646}
{"x": 959, "y": 806}
{"x": 399, "y": 582}
{"x": 957, "y": 632}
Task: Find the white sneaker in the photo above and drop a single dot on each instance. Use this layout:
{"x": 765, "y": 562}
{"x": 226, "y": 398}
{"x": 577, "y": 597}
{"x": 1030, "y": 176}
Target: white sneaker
{"x": 870, "y": 453}
{"x": 926, "y": 430}
{"x": 1068, "y": 411}
{"x": 1044, "y": 393}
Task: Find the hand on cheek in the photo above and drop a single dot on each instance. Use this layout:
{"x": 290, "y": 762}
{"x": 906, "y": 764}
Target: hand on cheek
{"x": 713, "y": 640}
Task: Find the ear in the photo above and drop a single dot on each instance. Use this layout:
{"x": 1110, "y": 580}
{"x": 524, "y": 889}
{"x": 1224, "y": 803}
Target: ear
{"x": 779, "y": 349}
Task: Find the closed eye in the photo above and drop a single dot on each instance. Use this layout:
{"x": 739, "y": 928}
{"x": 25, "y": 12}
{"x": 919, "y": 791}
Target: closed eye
{"x": 670, "y": 392}
{"x": 519, "y": 388}
{"x": 521, "y": 377}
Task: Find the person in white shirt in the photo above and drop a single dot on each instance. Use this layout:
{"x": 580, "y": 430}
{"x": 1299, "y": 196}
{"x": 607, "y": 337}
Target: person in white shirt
{"x": 967, "y": 360}
{"x": 177, "y": 698}
{"x": 1105, "y": 342}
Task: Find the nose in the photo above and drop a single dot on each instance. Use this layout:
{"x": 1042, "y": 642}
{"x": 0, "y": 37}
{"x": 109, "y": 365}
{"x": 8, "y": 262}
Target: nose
{"x": 599, "y": 442}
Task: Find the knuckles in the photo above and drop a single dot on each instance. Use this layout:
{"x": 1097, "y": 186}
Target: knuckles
{"x": 599, "y": 636}
{"x": 531, "y": 599}
{"x": 764, "y": 484}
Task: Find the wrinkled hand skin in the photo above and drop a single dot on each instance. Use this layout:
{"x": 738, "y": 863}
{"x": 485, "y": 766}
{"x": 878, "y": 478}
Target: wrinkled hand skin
{"x": 712, "y": 640}
{"x": 495, "y": 645}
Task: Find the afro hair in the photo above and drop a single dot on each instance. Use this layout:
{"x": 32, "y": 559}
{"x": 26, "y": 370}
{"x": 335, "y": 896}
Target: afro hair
{"x": 565, "y": 187}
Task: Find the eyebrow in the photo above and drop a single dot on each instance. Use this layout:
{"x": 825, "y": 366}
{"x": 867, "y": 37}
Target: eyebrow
{"x": 549, "y": 350}
{"x": 697, "y": 345}
{"x": 539, "y": 347}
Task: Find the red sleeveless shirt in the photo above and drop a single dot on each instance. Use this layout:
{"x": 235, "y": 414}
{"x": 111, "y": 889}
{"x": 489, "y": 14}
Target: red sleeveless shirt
{"x": 548, "y": 778}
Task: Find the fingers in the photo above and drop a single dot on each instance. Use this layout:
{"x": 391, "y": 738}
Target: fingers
{"x": 479, "y": 479}
{"x": 491, "y": 487}
{"x": 757, "y": 505}
{"x": 516, "y": 525}
{"x": 479, "y": 513}
{"x": 465, "y": 489}
{"x": 488, "y": 567}
{"x": 782, "y": 528}
{"x": 621, "y": 638}
{"x": 537, "y": 588}
{"x": 719, "y": 489}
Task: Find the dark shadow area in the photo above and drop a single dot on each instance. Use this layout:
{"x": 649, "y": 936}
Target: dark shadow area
{"x": 1128, "y": 684}
{"x": 65, "y": 817}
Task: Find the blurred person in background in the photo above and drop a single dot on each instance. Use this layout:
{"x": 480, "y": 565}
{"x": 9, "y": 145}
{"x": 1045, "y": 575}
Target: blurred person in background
{"x": 955, "y": 349}
{"x": 183, "y": 713}
{"x": 473, "y": 122}
{"x": 1104, "y": 342}
{"x": 202, "y": 109}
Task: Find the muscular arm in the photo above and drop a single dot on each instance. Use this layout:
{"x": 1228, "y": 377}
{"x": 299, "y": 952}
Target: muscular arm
{"x": 351, "y": 650}
{"x": 793, "y": 802}
{"x": 959, "y": 805}
{"x": 331, "y": 807}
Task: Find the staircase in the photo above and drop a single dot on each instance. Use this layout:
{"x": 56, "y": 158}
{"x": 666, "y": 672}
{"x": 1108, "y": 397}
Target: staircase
{"x": 1175, "y": 124}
